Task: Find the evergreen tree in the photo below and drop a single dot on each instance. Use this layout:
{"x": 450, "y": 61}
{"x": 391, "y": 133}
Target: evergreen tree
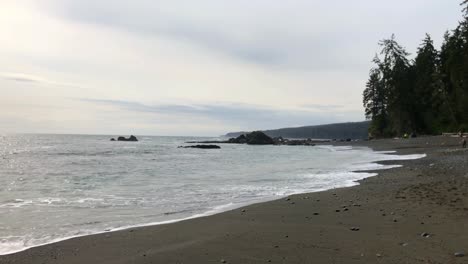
{"x": 428, "y": 95}
{"x": 425, "y": 86}
{"x": 397, "y": 78}
{"x": 375, "y": 102}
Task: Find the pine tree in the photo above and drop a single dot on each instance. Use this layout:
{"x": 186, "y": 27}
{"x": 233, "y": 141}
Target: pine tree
{"x": 425, "y": 86}
{"x": 375, "y": 102}
{"x": 397, "y": 78}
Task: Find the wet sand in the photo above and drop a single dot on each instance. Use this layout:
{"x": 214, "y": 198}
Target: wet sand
{"x": 414, "y": 214}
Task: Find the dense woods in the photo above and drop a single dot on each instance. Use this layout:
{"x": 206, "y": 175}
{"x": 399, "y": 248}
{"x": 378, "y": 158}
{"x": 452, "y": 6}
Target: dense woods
{"x": 424, "y": 95}
{"x": 352, "y": 130}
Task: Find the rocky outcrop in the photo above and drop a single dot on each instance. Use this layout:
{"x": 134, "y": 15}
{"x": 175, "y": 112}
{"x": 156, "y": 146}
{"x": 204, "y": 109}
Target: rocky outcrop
{"x": 131, "y": 138}
{"x": 260, "y": 138}
{"x": 253, "y": 138}
{"x": 202, "y": 146}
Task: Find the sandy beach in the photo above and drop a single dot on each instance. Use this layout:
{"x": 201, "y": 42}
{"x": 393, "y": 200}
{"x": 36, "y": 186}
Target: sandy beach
{"x": 414, "y": 214}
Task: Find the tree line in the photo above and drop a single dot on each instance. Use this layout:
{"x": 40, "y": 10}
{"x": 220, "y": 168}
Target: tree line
{"x": 424, "y": 95}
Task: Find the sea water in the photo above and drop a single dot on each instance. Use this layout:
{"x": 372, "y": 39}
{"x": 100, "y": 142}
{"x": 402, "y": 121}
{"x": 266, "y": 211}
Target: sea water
{"x": 54, "y": 187}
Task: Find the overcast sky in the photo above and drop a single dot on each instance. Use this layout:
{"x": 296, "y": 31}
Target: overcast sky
{"x": 196, "y": 67}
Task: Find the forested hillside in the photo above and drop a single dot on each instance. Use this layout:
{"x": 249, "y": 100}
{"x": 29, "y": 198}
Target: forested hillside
{"x": 355, "y": 130}
{"x": 424, "y": 95}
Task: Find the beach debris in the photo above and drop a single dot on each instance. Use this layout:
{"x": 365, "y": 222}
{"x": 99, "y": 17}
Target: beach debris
{"x": 354, "y": 229}
{"x": 459, "y": 254}
{"x": 426, "y": 235}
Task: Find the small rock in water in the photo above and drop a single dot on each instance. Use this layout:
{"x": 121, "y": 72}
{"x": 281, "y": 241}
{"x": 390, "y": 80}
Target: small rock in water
{"x": 459, "y": 254}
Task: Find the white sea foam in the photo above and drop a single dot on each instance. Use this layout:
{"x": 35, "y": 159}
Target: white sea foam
{"x": 107, "y": 187}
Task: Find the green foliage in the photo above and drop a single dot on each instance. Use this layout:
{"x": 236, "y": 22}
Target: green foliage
{"x": 427, "y": 95}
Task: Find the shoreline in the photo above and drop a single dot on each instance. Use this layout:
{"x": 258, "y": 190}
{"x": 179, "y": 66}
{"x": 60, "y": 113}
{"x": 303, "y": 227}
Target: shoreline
{"x": 231, "y": 206}
{"x": 183, "y": 239}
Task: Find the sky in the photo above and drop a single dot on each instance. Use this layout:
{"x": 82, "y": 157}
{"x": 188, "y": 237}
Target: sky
{"x": 201, "y": 68}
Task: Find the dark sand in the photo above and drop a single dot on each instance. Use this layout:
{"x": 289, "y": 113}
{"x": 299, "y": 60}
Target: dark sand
{"x": 391, "y": 210}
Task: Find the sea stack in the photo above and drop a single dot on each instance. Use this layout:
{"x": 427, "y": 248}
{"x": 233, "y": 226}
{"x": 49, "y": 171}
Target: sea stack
{"x": 131, "y": 138}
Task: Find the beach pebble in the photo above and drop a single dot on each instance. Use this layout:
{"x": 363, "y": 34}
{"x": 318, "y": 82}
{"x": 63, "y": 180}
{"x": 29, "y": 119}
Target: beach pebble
{"x": 425, "y": 234}
{"x": 346, "y": 209}
{"x": 459, "y": 254}
{"x": 378, "y": 255}
{"x": 316, "y": 213}
{"x": 288, "y": 199}
{"x": 337, "y": 210}
{"x": 223, "y": 261}
{"x": 243, "y": 211}
{"x": 354, "y": 229}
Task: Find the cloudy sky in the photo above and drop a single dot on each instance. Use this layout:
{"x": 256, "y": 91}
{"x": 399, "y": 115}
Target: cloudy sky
{"x": 201, "y": 67}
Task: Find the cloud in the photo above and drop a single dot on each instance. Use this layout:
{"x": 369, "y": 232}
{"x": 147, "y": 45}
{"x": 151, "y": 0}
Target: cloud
{"x": 241, "y": 115}
{"x": 307, "y": 35}
{"x": 27, "y": 78}
{"x": 18, "y": 77}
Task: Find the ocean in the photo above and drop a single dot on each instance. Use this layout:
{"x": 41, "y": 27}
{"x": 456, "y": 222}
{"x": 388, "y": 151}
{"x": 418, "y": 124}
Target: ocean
{"x": 54, "y": 187}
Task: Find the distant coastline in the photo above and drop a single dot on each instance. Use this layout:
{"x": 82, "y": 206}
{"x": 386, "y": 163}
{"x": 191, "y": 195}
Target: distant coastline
{"x": 351, "y": 130}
